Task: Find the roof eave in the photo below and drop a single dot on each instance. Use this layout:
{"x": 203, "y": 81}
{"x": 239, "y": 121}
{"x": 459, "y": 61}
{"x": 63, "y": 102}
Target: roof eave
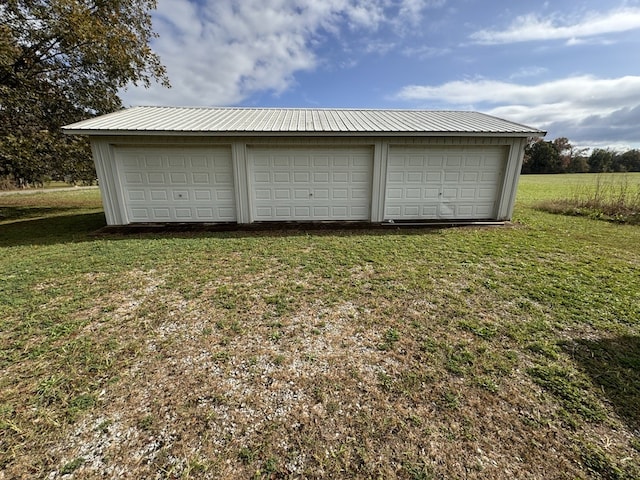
{"x": 191, "y": 133}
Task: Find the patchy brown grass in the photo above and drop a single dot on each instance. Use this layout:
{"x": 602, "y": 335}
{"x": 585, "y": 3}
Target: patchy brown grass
{"x": 318, "y": 390}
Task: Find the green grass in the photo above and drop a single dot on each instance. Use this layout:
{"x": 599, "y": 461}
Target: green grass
{"x": 454, "y": 353}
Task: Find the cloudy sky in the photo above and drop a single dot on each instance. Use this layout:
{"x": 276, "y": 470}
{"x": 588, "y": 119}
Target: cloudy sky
{"x": 567, "y": 66}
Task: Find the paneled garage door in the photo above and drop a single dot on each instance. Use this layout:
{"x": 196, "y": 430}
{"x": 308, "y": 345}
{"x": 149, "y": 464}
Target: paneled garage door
{"x": 431, "y": 183}
{"x": 310, "y": 183}
{"x": 177, "y": 184}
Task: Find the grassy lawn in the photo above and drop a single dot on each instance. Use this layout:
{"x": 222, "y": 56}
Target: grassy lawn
{"x": 493, "y": 353}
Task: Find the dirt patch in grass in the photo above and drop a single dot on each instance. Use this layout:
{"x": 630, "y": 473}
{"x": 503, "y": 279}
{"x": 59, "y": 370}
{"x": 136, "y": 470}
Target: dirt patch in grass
{"x": 306, "y": 395}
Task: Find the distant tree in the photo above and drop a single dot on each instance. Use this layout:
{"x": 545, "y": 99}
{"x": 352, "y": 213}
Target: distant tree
{"x": 617, "y": 165}
{"x": 565, "y": 152}
{"x": 541, "y": 157}
{"x": 628, "y": 161}
{"x": 62, "y": 61}
{"x": 578, "y": 164}
{"x": 601, "y": 160}
{"x": 560, "y": 156}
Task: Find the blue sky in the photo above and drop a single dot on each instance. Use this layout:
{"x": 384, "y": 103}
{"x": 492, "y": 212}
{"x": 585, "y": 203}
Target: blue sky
{"x": 569, "y": 67}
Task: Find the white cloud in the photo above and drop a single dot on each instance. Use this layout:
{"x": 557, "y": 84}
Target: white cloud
{"x": 411, "y": 10}
{"x": 379, "y": 47}
{"x": 585, "y": 90}
{"x": 525, "y": 72}
{"x": 425, "y": 51}
{"x": 566, "y": 103}
{"x": 219, "y": 52}
{"x": 532, "y": 27}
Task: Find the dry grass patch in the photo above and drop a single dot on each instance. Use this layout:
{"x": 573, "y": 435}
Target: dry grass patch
{"x": 310, "y": 394}
{"x": 245, "y": 381}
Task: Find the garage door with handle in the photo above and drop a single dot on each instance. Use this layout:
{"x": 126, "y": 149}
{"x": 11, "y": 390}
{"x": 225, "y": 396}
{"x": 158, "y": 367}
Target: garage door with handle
{"x": 430, "y": 183}
{"x": 311, "y": 183}
{"x": 176, "y": 184}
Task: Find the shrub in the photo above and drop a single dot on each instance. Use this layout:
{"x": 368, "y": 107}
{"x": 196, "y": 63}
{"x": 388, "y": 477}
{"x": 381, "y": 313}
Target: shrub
{"x": 7, "y": 183}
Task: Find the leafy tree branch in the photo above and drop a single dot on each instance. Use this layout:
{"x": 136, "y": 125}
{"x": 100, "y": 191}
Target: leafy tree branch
{"x": 62, "y": 61}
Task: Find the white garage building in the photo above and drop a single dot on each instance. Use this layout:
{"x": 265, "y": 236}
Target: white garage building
{"x": 245, "y": 165}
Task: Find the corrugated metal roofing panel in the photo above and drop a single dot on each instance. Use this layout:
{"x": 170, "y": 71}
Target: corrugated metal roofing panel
{"x": 261, "y": 121}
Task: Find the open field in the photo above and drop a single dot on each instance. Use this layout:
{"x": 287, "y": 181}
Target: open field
{"x": 611, "y": 197}
{"x": 493, "y": 353}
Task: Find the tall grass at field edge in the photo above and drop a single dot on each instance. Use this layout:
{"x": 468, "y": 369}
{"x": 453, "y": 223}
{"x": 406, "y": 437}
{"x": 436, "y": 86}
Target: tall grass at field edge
{"x": 610, "y": 198}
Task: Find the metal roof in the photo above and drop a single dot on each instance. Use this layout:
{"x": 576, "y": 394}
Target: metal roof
{"x": 296, "y": 121}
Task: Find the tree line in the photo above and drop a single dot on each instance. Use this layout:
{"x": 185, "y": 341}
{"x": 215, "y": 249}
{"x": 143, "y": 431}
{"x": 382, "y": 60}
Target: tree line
{"x": 559, "y": 156}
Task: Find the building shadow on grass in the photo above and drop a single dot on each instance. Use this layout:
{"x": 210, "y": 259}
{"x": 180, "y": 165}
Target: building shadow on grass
{"x": 614, "y": 366}
{"x": 59, "y": 227}
{"x": 64, "y": 227}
